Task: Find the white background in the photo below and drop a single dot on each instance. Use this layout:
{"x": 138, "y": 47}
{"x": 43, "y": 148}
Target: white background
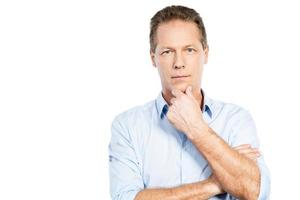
{"x": 68, "y": 67}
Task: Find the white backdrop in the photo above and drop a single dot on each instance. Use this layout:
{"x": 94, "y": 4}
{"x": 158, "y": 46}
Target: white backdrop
{"x": 68, "y": 67}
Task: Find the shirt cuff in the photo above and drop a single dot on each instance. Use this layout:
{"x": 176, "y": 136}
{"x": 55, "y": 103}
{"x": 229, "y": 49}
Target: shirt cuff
{"x": 265, "y": 182}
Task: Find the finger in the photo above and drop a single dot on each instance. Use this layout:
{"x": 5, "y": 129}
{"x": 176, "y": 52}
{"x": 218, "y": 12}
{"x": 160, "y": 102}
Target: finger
{"x": 252, "y": 155}
{"x": 253, "y": 158}
{"x": 246, "y": 147}
{"x": 170, "y": 112}
{"x": 176, "y": 93}
{"x": 248, "y": 150}
{"x": 188, "y": 91}
{"x": 242, "y": 146}
{"x": 173, "y": 100}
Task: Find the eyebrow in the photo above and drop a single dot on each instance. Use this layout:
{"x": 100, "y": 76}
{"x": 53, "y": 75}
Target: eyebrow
{"x": 167, "y": 47}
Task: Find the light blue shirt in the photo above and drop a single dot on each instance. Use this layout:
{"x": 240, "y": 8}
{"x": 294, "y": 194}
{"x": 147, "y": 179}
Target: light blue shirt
{"x": 146, "y": 151}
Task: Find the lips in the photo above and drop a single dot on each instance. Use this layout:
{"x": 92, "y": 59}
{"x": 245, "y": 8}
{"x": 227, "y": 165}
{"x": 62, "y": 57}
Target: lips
{"x": 180, "y": 76}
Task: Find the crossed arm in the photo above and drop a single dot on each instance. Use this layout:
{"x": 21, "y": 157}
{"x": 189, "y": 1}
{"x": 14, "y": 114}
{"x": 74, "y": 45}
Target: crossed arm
{"x": 204, "y": 189}
{"x": 234, "y": 170}
{"x": 200, "y": 190}
{"x": 237, "y": 174}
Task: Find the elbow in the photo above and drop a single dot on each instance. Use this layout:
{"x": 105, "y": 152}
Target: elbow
{"x": 252, "y": 195}
{"x": 252, "y": 189}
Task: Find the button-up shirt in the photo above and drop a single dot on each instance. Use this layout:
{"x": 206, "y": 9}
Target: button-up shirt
{"x": 147, "y": 151}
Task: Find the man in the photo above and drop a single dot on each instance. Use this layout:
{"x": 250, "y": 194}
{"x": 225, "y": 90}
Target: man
{"x": 184, "y": 145}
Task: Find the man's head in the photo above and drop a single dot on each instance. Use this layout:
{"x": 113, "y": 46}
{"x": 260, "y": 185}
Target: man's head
{"x": 178, "y": 47}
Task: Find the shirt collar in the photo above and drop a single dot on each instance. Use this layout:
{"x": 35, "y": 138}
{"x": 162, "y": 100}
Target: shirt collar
{"x": 162, "y": 105}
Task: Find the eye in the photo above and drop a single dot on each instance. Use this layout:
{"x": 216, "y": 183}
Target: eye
{"x": 166, "y": 52}
{"x": 190, "y": 50}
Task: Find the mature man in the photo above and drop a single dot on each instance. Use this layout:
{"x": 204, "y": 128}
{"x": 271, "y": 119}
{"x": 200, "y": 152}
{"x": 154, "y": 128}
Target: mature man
{"x": 184, "y": 145}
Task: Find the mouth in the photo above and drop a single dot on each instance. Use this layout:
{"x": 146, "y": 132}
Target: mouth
{"x": 180, "y": 77}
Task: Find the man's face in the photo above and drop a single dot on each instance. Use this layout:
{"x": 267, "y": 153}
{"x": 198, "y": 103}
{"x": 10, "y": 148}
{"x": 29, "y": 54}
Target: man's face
{"x": 179, "y": 55}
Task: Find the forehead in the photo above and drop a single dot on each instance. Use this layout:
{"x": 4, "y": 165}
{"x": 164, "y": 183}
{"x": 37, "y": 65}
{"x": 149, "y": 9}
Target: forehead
{"x": 177, "y": 33}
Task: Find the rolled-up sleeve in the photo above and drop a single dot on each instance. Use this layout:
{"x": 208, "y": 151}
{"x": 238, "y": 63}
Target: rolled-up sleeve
{"x": 125, "y": 174}
{"x": 264, "y": 180}
{"x": 244, "y": 132}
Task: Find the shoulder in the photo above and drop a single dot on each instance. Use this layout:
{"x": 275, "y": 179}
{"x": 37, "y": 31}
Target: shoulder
{"x": 132, "y": 115}
{"x": 228, "y": 111}
{"x": 234, "y": 123}
{"x": 133, "y": 123}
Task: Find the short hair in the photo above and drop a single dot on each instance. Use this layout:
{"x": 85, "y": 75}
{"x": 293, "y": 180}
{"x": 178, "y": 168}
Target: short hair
{"x": 172, "y": 13}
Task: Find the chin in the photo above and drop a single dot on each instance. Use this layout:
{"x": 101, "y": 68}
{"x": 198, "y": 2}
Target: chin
{"x": 182, "y": 86}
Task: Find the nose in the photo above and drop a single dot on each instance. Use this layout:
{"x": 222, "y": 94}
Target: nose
{"x": 178, "y": 63}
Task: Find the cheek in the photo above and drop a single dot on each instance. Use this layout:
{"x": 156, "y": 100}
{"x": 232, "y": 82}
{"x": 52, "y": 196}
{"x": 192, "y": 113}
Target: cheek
{"x": 165, "y": 62}
{"x": 163, "y": 73}
{"x": 197, "y": 62}
{"x": 198, "y": 73}
{"x": 164, "y": 67}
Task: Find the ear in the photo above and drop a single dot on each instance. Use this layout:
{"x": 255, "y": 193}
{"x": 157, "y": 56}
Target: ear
{"x": 152, "y": 55}
{"x": 206, "y": 50}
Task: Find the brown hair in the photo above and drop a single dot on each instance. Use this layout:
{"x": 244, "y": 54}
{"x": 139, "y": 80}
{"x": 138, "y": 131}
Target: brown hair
{"x": 176, "y": 12}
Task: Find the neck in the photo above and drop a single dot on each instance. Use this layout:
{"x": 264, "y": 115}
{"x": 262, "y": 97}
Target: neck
{"x": 197, "y": 93}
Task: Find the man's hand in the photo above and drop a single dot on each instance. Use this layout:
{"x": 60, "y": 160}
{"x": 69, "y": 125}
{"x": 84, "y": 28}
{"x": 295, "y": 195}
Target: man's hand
{"x": 248, "y": 151}
{"x": 185, "y": 112}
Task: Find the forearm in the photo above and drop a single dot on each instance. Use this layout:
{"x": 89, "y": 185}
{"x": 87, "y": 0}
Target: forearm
{"x": 200, "y": 190}
{"x": 237, "y": 174}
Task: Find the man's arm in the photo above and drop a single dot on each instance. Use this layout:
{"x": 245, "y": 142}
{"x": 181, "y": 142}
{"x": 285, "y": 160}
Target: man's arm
{"x": 237, "y": 174}
{"x": 126, "y": 181}
{"x": 200, "y": 190}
